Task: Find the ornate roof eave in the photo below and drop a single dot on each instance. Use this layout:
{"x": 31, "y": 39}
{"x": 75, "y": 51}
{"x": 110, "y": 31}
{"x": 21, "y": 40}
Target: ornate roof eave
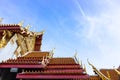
{"x": 19, "y": 28}
{"x": 39, "y": 33}
{"x": 21, "y": 65}
{"x": 10, "y": 25}
{"x": 25, "y": 31}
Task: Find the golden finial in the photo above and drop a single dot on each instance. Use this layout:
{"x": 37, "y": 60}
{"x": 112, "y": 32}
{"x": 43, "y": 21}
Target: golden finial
{"x": 27, "y": 27}
{"x": 1, "y": 19}
{"x": 75, "y": 54}
{"x": 52, "y": 52}
{"x": 85, "y": 68}
{"x": 81, "y": 64}
{"x": 43, "y": 31}
{"x": 21, "y": 23}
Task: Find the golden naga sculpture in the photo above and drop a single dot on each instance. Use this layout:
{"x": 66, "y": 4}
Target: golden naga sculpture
{"x": 3, "y": 41}
{"x": 102, "y": 76}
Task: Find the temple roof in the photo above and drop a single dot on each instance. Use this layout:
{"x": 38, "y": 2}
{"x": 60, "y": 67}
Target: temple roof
{"x": 111, "y": 73}
{"x": 31, "y": 60}
{"x": 18, "y": 28}
{"x": 38, "y": 65}
{"x": 35, "y": 64}
{"x": 57, "y": 68}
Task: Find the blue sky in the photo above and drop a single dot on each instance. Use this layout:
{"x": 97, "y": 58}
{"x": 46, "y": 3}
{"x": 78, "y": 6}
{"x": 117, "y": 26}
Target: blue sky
{"x": 90, "y": 27}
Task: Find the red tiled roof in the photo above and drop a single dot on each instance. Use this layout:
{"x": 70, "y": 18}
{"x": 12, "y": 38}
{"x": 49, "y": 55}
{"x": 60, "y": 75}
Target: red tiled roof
{"x": 62, "y": 61}
{"x": 71, "y": 66}
{"x": 64, "y": 71}
{"x": 37, "y": 54}
{"x": 39, "y": 76}
{"x": 113, "y": 75}
{"x": 11, "y": 27}
{"x": 58, "y": 68}
{"x": 21, "y": 66}
{"x": 31, "y": 60}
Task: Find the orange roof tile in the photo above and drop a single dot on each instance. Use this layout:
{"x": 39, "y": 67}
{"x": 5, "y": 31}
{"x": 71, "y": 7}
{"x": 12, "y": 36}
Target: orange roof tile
{"x": 113, "y": 75}
{"x": 62, "y": 61}
{"x": 37, "y": 54}
{"x": 94, "y": 77}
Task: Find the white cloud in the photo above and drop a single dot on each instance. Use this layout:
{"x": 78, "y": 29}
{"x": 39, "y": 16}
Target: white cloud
{"x": 103, "y": 32}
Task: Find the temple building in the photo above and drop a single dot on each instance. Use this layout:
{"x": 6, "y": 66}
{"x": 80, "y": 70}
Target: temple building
{"x": 26, "y": 61}
{"x": 21, "y": 58}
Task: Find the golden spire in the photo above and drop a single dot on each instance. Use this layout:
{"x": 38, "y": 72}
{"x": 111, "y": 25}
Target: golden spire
{"x": 103, "y": 77}
{"x": 21, "y": 23}
{"x": 52, "y": 52}
{"x": 1, "y": 19}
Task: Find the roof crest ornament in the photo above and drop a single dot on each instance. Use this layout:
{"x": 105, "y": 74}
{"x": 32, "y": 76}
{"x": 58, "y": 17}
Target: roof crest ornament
{"x": 27, "y": 27}
{"x": 1, "y": 19}
{"x": 21, "y": 23}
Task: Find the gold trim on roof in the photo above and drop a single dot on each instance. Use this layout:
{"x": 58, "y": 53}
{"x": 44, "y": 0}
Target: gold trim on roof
{"x": 108, "y": 74}
{"x": 102, "y": 76}
{"x": 118, "y": 72}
